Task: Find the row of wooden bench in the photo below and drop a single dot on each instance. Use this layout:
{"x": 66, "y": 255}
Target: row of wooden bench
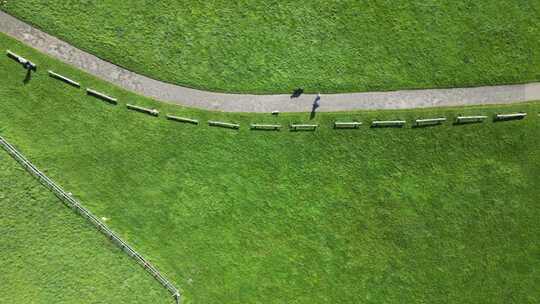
{"x": 339, "y": 124}
{"x": 277, "y": 127}
{"x": 297, "y": 127}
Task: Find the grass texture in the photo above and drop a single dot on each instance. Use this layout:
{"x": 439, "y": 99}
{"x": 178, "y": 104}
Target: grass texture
{"x": 319, "y": 45}
{"x": 445, "y": 214}
{"x": 49, "y": 254}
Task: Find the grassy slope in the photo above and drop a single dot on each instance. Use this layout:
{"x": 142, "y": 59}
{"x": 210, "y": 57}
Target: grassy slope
{"x": 435, "y": 215}
{"x": 48, "y": 254}
{"x": 321, "y": 45}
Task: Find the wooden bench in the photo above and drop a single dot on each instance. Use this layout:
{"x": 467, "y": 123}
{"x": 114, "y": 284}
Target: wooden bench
{"x": 223, "y": 124}
{"x": 265, "y": 127}
{"x": 303, "y": 127}
{"x": 152, "y": 112}
{"x": 101, "y": 96}
{"x": 23, "y": 61}
{"x": 347, "y": 125}
{"x": 183, "y": 119}
{"x": 470, "y": 119}
{"x": 64, "y": 79}
{"x": 510, "y": 116}
{"x": 388, "y": 123}
{"x": 429, "y": 121}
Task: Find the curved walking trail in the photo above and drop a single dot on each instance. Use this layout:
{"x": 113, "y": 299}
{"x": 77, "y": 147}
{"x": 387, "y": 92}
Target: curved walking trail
{"x": 260, "y": 103}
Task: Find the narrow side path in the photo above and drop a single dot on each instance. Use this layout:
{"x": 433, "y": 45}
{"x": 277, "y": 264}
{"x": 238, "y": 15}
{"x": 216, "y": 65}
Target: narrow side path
{"x": 260, "y": 103}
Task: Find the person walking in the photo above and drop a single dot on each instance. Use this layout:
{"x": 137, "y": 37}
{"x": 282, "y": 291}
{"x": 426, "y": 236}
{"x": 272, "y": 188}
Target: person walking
{"x": 316, "y": 103}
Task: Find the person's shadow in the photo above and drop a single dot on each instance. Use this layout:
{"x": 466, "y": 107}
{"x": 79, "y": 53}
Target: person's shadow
{"x": 28, "y": 76}
{"x": 296, "y": 93}
{"x": 314, "y": 107}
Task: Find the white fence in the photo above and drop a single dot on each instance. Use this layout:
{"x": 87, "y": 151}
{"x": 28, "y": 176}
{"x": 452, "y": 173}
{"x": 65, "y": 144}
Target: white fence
{"x": 74, "y": 204}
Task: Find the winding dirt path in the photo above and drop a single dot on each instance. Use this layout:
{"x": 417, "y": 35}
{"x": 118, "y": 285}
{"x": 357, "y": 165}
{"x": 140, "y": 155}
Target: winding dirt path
{"x": 260, "y": 103}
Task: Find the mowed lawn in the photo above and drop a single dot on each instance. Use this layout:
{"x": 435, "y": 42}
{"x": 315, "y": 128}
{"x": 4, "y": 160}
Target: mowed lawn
{"x": 319, "y": 45}
{"x": 49, "y": 254}
{"x": 445, "y": 214}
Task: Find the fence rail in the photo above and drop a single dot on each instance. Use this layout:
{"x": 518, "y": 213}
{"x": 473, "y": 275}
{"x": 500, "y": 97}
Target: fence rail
{"x": 69, "y": 201}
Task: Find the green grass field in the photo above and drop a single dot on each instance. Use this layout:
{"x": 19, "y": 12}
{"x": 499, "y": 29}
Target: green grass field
{"x": 319, "y": 45}
{"x": 446, "y": 214}
{"x": 49, "y": 254}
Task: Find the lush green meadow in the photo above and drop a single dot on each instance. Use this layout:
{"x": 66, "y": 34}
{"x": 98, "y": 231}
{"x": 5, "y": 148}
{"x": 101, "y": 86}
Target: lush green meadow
{"x": 445, "y": 214}
{"x": 49, "y": 254}
{"x": 319, "y": 45}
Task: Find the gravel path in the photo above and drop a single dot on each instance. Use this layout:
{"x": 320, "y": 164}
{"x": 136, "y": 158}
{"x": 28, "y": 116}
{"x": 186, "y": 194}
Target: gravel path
{"x": 260, "y": 103}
